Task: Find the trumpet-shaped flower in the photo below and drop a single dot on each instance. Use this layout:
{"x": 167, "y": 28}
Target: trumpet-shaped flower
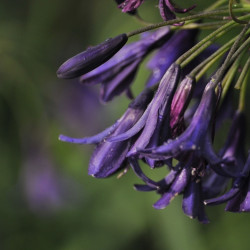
{"x": 108, "y": 157}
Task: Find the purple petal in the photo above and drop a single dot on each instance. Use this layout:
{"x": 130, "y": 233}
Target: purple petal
{"x": 192, "y": 204}
{"x": 92, "y": 139}
{"x": 144, "y": 188}
{"x": 173, "y": 8}
{"x": 119, "y": 83}
{"x": 241, "y": 202}
{"x": 224, "y": 198}
{"x": 213, "y": 185}
{"x": 165, "y": 11}
{"x": 130, "y": 5}
{"x": 161, "y": 104}
{"x": 135, "y": 166}
{"x": 133, "y": 131}
{"x": 107, "y": 158}
{"x": 181, "y": 100}
{"x": 177, "y": 187}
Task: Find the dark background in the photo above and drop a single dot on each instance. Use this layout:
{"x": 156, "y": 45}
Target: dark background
{"x": 47, "y": 200}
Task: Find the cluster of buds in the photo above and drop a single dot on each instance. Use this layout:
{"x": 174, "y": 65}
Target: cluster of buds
{"x": 174, "y": 121}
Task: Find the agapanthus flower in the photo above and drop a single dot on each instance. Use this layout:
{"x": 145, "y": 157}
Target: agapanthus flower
{"x": 197, "y": 137}
{"x": 182, "y": 179}
{"x": 233, "y": 152}
{"x": 238, "y": 196}
{"x": 117, "y": 74}
{"x": 108, "y": 157}
{"x": 181, "y": 100}
{"x": 153, "y": 124}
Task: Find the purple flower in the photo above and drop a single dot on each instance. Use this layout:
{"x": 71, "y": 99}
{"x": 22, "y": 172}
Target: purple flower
{"x": 196, "y": 138}
{"x": 181, "y": 100}
{"x": 91, "y": 58}
{"x": 238, "y": 196}
{"x": 182, "y": 179}
{"x": 117, "y": 74}
{"x": 168, "y": 10}
{"x": 153, "y": 124}
{"x": 108, "y": 157}
{"x": 234, "y": 150}
{"x": 241, "y": 201}
{"x": 192, "y": 203}
{"x": 233, "y": 156}
{"x": 119, "y": 2}
{"x": 178, "y": 44}
{"x": 129, "y": 5}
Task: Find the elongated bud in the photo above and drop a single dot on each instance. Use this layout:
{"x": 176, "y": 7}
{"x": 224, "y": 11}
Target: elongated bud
{"x": 91, "y": 58}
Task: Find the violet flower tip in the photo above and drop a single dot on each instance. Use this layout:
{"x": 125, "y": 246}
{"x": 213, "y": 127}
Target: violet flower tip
{"x": 64, "y": 138}
{"x": 205, "y": 202}
{"x": 158, "y": 207}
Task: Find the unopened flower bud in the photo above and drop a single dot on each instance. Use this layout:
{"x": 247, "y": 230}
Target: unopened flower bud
{"x": 91, "y": 58}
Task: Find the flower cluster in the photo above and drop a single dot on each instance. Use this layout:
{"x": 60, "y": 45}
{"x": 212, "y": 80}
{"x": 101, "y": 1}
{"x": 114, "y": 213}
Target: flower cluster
{"x": 180, "y": 112}
{"x": 167, "y": 8}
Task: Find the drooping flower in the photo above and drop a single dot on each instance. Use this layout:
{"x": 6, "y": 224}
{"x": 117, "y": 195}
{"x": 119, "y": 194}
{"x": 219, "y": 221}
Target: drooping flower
{"x": 192, "y": 203}
{"x": 238, "y": 196}
{"x": 233, "y": 153}
{"x": 197, "y": 137}
{"x": 108, "y": 157}
{"x": 153, "y": 124}
{"x": 181, "y": 100}
{"x": 234, "y": 149}
{"x": 182, "y": 179}
{"x": 91, "y": 58}
{"x": 117, "y": 74}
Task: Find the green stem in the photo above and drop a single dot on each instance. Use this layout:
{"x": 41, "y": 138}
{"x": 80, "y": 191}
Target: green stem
{"x": 208, "y": 25}
{"x": 216, "y": 55}
{"x": 220, "y": 72}
{"x": 242, "y": 75}
{"x": 230, "y": 7}
{"x": 204, "y": 43}
{"x": 243, "y": 92}
{"x": 183, "y": 19}
{"x": 226, "y": 83}
{"x": 216, "y": 5}
{"x": 240, "y": 49}
{"x": 207, "y": 66}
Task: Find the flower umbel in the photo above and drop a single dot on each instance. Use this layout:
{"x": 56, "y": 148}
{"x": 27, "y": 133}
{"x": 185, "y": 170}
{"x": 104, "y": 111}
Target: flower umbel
{"x": 176, "y": 120}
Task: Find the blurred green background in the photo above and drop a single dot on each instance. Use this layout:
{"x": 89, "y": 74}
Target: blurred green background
{"x": 47, "y": 200}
